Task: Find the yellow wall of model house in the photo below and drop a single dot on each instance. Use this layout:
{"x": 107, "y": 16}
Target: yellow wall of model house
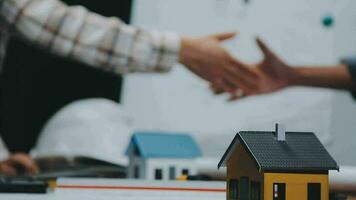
{"x": 296, "y": 185}
{"x": 241, "y": 164}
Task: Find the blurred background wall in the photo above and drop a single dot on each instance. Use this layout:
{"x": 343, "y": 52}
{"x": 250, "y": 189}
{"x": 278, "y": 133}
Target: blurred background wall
{"x": 294, "y": 29}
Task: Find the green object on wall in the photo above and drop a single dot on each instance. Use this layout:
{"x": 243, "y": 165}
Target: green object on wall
{"x": 328, "y": 21}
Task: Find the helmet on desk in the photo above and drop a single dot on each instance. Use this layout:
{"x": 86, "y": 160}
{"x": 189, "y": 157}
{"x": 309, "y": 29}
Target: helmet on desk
{"x": 94, "y": 128}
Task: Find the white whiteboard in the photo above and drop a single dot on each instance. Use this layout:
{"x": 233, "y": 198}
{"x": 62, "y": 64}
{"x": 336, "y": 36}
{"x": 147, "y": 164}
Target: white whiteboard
{"x": 179, "y": 101}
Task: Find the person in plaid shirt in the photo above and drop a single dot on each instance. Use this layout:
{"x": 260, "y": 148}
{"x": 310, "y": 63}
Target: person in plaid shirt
{"x": 75, "y": 33}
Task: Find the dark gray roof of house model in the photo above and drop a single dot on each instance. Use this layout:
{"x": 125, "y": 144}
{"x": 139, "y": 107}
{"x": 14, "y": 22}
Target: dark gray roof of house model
{"x": 301, "y": 151}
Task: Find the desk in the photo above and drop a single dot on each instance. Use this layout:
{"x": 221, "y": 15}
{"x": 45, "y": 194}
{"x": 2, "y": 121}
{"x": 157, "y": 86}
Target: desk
{"x": 112, "y": 189}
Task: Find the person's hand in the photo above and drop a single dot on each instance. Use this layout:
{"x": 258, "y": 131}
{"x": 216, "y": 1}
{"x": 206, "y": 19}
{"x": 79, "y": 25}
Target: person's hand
{"x": 207, "y": 58}
{"x": 274, "y": 74}
{"x": 18, "y": 164}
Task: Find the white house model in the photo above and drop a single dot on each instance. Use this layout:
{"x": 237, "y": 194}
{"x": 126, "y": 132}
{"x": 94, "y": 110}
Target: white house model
{"x": 162, "y": 156}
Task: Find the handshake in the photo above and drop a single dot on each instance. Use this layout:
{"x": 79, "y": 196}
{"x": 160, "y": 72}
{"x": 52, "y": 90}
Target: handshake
{"x": 207, "y": 58}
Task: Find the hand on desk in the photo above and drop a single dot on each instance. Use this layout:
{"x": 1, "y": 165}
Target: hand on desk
{"x": 18, "y": 164}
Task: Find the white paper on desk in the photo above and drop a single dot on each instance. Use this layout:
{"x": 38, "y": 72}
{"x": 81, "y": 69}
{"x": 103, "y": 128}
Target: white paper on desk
{"x": 134, "y": 194}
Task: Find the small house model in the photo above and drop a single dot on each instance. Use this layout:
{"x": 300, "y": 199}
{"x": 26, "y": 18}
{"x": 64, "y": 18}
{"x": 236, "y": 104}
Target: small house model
{"x": 162, "y": 156}
{"x": 277, "y": 165}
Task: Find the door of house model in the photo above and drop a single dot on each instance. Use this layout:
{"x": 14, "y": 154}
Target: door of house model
{"x": 314, "y": 191}
{"x": 255, "y": 191}
{"x": 279, "y": 191}
{"x": 244, "y": 188}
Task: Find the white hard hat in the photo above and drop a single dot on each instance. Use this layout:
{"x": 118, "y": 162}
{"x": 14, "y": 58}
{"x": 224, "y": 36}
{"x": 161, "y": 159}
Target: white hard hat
{"x": 95, "y": 128}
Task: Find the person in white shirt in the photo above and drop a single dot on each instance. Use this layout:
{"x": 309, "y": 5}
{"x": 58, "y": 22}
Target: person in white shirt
{"x": 274, "y": 74}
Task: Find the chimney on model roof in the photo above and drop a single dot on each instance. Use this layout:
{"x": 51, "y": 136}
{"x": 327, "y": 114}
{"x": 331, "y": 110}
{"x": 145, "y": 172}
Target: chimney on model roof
{"x": 280, "y": 132}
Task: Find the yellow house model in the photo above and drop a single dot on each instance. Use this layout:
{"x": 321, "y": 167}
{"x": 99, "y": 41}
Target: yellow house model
{"x": 277, "y": 165}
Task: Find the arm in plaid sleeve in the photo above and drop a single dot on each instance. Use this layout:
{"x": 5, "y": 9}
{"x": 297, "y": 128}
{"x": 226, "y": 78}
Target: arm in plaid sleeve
{"x": 76, "y": 33}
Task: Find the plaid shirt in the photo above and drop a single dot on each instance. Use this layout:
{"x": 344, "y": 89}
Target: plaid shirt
{"x": 76, "y": 33}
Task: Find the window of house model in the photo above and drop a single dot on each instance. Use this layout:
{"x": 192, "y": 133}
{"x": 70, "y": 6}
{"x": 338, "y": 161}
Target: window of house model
{"x": 185, "y": 172}
{"x": 172, "y": 173}
{"x": 255, "y": 192}
{"x": 233, "y": 189}
{"x": 244, "y": 188}
{"x": 279, "y": 191}
{"x": 158, "y": 174}
{"x": 136, "y": 172}
{"x": 314, "y": 191}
